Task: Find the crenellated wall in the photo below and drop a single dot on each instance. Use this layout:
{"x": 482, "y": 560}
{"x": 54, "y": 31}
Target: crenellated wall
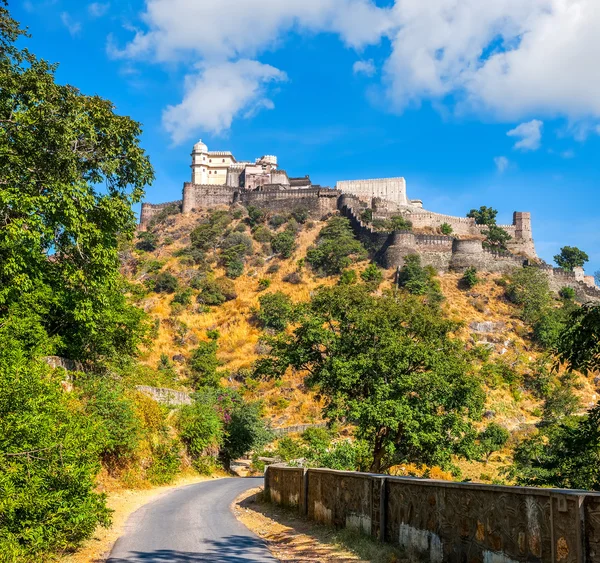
{"x": 149, "y": 210}
{"x": 576, "y": 280}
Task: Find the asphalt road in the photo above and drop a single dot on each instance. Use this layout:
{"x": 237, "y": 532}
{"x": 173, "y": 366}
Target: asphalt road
{"x": 192, "y": 523}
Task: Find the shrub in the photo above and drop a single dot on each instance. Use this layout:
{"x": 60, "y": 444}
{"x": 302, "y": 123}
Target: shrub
{"x": 201, "y": 430}
{"x": 398, "y": 223}
{"x": 120, "y": 429}
{"x": 529, "y": 289}
{"x": 256, "y": 215}
{"x": 446, "y": 229}
{"x": 284, "y": 243}
{"x": 416, "y": 279}
{"x": 300, "y": 214}
{"x": 239, "y": 241}
{"x": 348, "y": 277}
{"x": 276, "y": 310}
{"x": 49, "y": 498}
{"x": 262, "y": 234}
{"x": 470, "y": 279}
{"x": 203, "y": 365}
{"x": 567, "y": 293}
{"x": 336, "y": 248}
{"x": 273, "y": 268}
{"x": 161, "y": 216}
{"x": 277, "y": 220}
{"x": 216, "y": 291}
{"x": 492, "y": 439}
{"x": 165, "y": 282}
{"x": 495, "y": 238}
{"x": 206, "y": 235}
{"x": 147, "y": 241}
{"x": 165, "y": 462}
{"x": 263, "y": 283}
{"x": 241, "y": 228}
{"x": 293, "y": 278}
{"x": 372, "y": 275}
{"x": 366, "y": 216}
{"x": 183, "y": 297}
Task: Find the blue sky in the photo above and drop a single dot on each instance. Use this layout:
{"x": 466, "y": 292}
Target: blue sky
{"x": 474, "y": 103}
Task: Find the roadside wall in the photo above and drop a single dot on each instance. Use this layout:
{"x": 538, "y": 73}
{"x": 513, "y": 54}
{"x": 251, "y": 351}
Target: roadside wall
{"x": 442, "y": 521}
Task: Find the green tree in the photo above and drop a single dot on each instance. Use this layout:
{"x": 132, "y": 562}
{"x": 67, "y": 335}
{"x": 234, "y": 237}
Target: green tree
{"x": 348, "y": 277}
{"x": 48, "y": 462}
{"x": 495, "y": 238}
{"x": 398, "y": 223}
{"x": 388, "y": 365}
{"x": 201, "y": 429}
{"x": 571, "y": 257}
{"x": 446, "y": 229}
{"x": 492, "y": 439}
{"x": 71, "y": 170}
{"x": 147, "y": 241}
{"x": 203, "y": 364}
{"x": 165, "y": 282}
{"x": 276, "y": 310}
{"x": 256, "y": 215}
{"x": 216, "y": 291}
{"x": 529, "y": 289}
{"x": 417, "y": 279}
{"x": 484, "y": 215}
{"x": 470, "y": 279}
{"x": 336, "y": 248}
{"x": 579, "y": 343}
{"x": 284, "y": 243}
{"x": 372, "y": 275}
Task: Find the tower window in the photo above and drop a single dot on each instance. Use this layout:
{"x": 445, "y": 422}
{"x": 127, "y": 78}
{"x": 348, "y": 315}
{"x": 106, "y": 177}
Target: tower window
{"x": 210, "y": 160}
{"x": 223, "y": 160}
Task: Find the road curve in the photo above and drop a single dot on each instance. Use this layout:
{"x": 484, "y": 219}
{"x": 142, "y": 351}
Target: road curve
{"x": 190, "y": 524}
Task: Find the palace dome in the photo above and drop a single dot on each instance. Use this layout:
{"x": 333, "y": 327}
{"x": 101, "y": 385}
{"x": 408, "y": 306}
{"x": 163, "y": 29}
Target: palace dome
{"x": 200, "y": 147}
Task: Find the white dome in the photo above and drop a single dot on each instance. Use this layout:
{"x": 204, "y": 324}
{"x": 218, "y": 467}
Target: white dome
{"x": 200, "y": 147}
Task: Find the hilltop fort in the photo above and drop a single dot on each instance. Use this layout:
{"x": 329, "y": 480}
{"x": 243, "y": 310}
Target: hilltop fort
{"x": 217, "y": 179}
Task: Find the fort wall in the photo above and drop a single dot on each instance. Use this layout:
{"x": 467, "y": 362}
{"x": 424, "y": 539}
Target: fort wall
{"x": 447, "y": 522}
{"x": 389, "y": 189}
{"x": 149, "y": 210}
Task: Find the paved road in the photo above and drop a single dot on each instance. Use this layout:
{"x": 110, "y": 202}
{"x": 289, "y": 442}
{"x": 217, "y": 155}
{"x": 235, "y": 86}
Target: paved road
{"x": 192, "y": 523}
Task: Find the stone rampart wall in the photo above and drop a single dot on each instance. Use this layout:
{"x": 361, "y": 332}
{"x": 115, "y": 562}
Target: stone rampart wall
{"x": 447, "y": 522}
{"x": 318, "y": 201}
{"x": 149, "y": 210}
{"x": 558, "y": 278}
{"x": 165, "y": 396}
{"x": 199, "y": 196}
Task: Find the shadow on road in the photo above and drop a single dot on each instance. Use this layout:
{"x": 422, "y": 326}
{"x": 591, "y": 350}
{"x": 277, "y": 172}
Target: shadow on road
{"x": 230, "y": 549}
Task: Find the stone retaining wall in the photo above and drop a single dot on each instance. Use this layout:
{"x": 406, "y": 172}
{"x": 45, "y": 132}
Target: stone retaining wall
{"x": 442, "y": 521}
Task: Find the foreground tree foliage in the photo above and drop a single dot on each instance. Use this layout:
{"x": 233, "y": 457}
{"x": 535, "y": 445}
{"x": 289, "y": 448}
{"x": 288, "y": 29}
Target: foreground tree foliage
{"x": 566, "y": 450}
{"x": 389, "y": 365}
{"x": 70, "y": 171}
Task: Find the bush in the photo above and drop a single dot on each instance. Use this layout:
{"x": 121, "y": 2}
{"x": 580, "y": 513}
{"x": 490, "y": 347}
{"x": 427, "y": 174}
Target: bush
{"x": 273, "y": 268}
{"x": 239, "y": 241}
{"x": 172, "y": 209}
{"x": 276, "y": 310}
{"x": 203, "y": 365}
{"x": 492, "y": 439}
{"x": 147, "y": 241}
{"x": 165, "y": 462}
{"x": 293, "y": 278}
{"x": 256, "y": 215}
{"x": 529, "y": 289}
{"x": 372, "y": 275}
{"x": 183, "y": 297}
{"x": 366, "y": 216}
{"x": 241, "y": 228}
{"x": 264, "y": 283}
{"x": 550, "y": 325}
{"x": 206, "y": 235}
{"x": 216, "y": 291}
{"x": 398, "y": 223}
{"x": 165, "y": 282}
{"x": 277, "y": 220}
{"x": 416, "y": 279}
{"x": 201, "y": 430}
{"x": 470, "y": 279}
{"x": 49, "y": 500}
{"x": 348, "y": 277}
{"x": 336, "y": 248}
{"x": 300, "y": 214}
{"x": 567, "y": 293}
{"x": 262, "y": 234}
{"x": 284, "y": 243}
{"x": 119, "y": 431}
{"x": 446, "y": 229}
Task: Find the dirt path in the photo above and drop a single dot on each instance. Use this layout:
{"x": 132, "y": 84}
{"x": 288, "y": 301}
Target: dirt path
{"x": 293, "y": 539}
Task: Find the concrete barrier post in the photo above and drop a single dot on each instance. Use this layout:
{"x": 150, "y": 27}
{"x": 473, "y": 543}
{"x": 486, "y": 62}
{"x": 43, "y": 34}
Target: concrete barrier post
{"x": 304, "y": 496}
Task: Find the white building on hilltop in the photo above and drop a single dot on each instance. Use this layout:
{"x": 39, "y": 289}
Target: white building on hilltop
{"x": 220, "y": 168}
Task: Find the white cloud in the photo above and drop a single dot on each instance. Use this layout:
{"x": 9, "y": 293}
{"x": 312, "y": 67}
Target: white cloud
{"x": 502, "y": 163}
{"x": 230, "y": 28}
{"x": 568, "y": 154}
{"x": 364, "y": 67}
{"x": 98, "y": 9}
{"x": 509, "y": 59}
{"x": 529, "y": 135}
{"x": 217, "y": 93}
{"x": 73, "y": 26}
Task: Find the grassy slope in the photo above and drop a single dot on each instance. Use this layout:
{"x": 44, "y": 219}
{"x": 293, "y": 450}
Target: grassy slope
{"x": 287, "y": 402}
